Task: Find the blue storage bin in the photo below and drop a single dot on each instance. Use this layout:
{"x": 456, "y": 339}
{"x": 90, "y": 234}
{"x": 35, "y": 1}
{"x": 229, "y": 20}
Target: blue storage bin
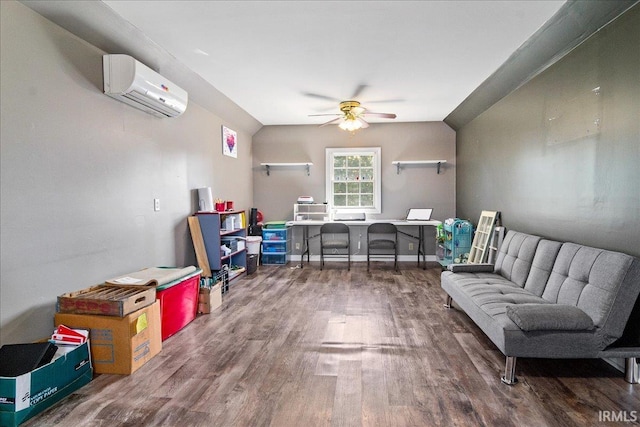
{"x": 277, "y": 234}
{"x": 274, "y": 246}
{"x": 274, "y": 259}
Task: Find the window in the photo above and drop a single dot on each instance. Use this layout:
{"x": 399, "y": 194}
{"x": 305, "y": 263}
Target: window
{"x": 353, "y": 179}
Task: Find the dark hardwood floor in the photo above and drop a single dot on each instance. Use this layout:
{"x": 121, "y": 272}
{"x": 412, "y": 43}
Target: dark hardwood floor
{"x": 304, "y": 347}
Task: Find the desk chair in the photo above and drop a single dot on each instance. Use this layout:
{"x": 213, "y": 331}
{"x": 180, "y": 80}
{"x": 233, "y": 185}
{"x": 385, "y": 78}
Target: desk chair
{"x": 383, "y": 237}
{"x": 334, "y": 236}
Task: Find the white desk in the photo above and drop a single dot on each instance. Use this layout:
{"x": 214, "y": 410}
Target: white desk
{"x": 305, "y": 224}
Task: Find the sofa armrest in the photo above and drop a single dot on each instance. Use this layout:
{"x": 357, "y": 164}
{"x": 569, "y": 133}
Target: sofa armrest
{"x": 471, "y": 268}
{"x": 549, "y": 317}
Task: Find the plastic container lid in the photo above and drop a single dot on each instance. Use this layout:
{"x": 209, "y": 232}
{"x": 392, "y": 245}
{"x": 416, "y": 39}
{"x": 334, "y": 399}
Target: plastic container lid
{"x": 253, "y": 244}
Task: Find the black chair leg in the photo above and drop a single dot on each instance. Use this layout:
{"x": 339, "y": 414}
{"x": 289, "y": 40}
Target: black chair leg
{"x": 395, "y": 260}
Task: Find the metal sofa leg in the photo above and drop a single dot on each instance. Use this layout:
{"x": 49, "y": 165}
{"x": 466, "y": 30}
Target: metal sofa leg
{"x": 509, "y": 377}
{"x": 632, "y": 370}
{"x": 449, "y": 301}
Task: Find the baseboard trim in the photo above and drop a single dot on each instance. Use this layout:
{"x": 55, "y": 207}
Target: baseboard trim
{"x": 362, "y": 258}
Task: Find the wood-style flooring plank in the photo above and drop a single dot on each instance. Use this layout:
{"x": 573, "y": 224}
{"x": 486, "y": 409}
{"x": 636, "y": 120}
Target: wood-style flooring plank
{"x": 347, "y": 403}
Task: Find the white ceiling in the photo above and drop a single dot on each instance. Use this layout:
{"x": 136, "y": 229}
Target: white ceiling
{"x": 283, "y": 60}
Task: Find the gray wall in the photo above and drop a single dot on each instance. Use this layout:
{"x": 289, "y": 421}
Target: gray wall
{"x": 415, "y": 186}
{"x": 79, "y": 172}
{"x": 559, "y": 157}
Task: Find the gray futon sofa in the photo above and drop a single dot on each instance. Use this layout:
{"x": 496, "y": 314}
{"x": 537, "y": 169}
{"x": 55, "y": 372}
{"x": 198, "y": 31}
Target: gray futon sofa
{"x": 547, "y": 299}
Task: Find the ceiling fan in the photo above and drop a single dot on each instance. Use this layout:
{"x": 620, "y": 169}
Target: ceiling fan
{"x": 352, "y": 116}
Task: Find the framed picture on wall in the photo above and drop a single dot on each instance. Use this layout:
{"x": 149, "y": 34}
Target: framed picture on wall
{"x": 229, "y": 142}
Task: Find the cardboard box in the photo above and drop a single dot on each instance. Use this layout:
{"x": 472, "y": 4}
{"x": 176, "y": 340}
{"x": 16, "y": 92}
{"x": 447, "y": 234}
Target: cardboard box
{"x": 29, "y": 394}
{"x": 119, "y": 345}
{"x": 209, "y": 299}
{"x": 107, "y": 300}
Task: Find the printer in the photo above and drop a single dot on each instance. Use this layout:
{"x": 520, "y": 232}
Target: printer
{"x": 349, "y": 216}
{"x": 302, "y": 200}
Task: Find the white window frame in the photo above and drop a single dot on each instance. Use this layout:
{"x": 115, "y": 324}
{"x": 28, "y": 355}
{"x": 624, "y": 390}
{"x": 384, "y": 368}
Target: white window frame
{"x": 376, "y": 152}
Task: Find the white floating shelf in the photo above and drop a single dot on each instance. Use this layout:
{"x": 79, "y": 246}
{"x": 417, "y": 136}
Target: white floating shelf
{"x": 400, "y": 163}
{"x": 268, "y": 166}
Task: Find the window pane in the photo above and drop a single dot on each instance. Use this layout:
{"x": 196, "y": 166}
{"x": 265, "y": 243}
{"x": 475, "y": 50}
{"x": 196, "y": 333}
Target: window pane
{"x": 353, "y": 174}
{"x": 353, "y": 187}
{"x": 339, "y": 200}
{"x": 366, "y": 200}
{"x": 366, "y": 174}
{"x": 353, "y": 180}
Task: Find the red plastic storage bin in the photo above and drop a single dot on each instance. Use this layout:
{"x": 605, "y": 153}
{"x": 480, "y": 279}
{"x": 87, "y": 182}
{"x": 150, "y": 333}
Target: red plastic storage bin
{"x": 178, "y": 303}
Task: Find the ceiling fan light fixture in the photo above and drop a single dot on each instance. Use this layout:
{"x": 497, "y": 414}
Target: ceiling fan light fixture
{"x": 350, "y": 125}
{"x": 353, "y": 116}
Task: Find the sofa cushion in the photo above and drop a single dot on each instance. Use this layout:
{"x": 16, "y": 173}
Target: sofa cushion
{"x": 542, "y": 265}
{"x": 599, "y": 282}
{"x": 490, "y": 292}
{"x": 549, "y": 317}
{"x": 515, "y": 256}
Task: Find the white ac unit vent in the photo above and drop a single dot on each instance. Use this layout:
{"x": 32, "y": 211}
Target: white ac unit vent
{"x": 133, "y": 83}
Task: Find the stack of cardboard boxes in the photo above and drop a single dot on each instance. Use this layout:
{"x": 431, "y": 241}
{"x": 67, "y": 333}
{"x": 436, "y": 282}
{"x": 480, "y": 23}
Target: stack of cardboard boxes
{"x": 126, "y": 318}
{"x": 119, "y": 344}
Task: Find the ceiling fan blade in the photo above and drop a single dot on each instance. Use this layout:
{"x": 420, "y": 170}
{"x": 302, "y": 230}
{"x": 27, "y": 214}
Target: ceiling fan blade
{"x": 383, "y": 115}
{"x": 319, "y": 96}
{"x": 365, "y": 124}
{"x": 330, "y": 122}
{"x": 317, "y": 115}
{"x": 359, "y": 90}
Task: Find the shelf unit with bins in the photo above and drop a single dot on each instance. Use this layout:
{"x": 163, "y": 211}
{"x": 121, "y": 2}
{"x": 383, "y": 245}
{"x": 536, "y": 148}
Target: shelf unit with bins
{"x": 311, "y": 211}
{"x": 219, "y": 228}
{"x": 276, "y": 245}
{"x": 457, "y": 241}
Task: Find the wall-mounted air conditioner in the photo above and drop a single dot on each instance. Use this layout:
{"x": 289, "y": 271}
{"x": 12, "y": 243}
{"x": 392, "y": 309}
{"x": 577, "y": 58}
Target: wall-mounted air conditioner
{"x": 133, "y": 83}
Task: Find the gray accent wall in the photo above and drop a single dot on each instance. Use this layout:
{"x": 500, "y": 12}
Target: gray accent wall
{"x": 414, "y": 186}
{"x": 567, "y": 28}
{"x": 560, "y": 156}
{"x": 80, "y": 170}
